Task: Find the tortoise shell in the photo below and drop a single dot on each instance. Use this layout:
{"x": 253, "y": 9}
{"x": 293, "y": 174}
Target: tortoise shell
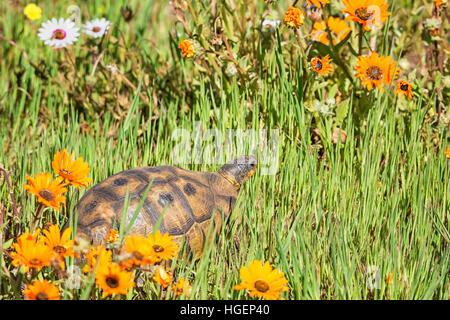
{"x": 188, "y": 199}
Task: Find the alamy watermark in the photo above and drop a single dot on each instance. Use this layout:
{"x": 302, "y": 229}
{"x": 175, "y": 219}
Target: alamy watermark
{"x": 214, "y": 146}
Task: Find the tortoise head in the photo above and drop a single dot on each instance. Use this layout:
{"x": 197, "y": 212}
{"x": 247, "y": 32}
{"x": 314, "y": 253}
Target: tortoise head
{"x": 238, "y": 170}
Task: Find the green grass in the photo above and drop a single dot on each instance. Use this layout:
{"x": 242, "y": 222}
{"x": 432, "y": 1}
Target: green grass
{"x": 329, "y": 213}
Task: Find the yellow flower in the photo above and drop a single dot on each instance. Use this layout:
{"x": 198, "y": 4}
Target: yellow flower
{"x": 368, "y": 13}
{"x": 162, "y": 246}
{"x": 60, "y": 244}
{"x": 73, "y": 171}
{"x": 181, "y": 287}
{"x": 32, "y": 11}
{"x": 404, "y": 88}
{"x": 338, "y": 27}
{"x": 374, "y": 70}
{"x": 47, "y": 190}
{"x": 187, "y": 47}
{"x": 447, "y": 153}
{"x": 262, "y": 280}
{"x": 29, "y": 252}
{"x": 113, "y": 280}
{"x": 294, "y": 17}
{"x": 162, "y": 277}
{"x": 322, "y": 65}
{"x": 42, "y": 290}
{"x": 318, "y": 3}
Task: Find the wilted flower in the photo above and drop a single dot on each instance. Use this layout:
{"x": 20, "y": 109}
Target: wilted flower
{"x": 162, "y": 277}
{"x": 127, "y": 13}
{"x": 182, "y": 286}
{"x": 294, "y": 17}
{"x": 188, "y": 48}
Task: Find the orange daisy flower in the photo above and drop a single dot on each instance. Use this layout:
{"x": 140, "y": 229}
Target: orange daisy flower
{"x": 113, "y": 280}
{"x": 447, "y": 153}
{"x": 162, "y": 246}
{"x": 262, "y": 280}
{"x": 60, "y": 244}
{"x": 188, "y": 48}
{"x": 48, "y": 191}
{"x": 96, "y": 253}
{"x": 404, "y": 88}
{"x": 294, "y": 17}
{"x": 42, "y": 290}
{"x": 140, "y": 252}
{"x": 317, "y": 3}
{"x": 375, "y": 71}
{"x": 73, "y": 171}
{"x": 181, "y": 287}
{"x": 440, "y": 3}
{"x": 368, "y": 13}
{"x": 322, "y": 65}
{"x": 30, "y": 252}
{"x": 338, "y": 27}
{"x": 112, "y": 236}
{"x": 162, "y": 277}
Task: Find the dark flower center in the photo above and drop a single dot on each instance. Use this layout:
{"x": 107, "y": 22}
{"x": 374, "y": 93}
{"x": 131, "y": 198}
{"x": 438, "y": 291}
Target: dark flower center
{"x": 35, "y": 261}
{"x": 65, "y": 171}
{"x": 46, "y": 194}
{"x": 261, "y": 286}
{"x": 363, "y": 14}
{"x": 112, "y": 282}
{"x": 318, "y": 65}
{"x": 137, "y": 255}
{"x": 404, "y": 87}
{"x": 374, "y": 73}
{"x": 158, "y": 248}
{"x": 59, "y": 249}
{"x": 59, "y": 34}
{"x": 96, "y": 29}
{"x": 41, "y": 296}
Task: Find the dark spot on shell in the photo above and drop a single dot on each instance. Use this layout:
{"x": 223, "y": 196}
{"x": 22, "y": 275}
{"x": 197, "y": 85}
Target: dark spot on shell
{"x": 165, "y": 198}
{"x": 91, "y": 206}
{"x": 189, "y": 189}
{"x": 120, "y": 181}
{"x": 151, "y": 169}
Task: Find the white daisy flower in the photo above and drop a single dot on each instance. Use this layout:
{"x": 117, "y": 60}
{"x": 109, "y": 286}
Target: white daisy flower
{"x": 96, "y": 28}
{"x": 58, "y": 33}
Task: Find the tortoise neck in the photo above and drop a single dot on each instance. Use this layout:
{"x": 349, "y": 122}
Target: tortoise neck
{"x": 230, "y": 178}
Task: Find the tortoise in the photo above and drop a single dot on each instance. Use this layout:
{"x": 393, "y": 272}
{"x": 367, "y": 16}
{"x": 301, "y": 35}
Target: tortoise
{"x": 188, "y": 199}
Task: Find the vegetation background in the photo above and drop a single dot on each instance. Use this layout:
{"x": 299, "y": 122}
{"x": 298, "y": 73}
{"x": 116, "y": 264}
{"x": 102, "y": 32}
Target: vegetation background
{"x": 336, "y": 216}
